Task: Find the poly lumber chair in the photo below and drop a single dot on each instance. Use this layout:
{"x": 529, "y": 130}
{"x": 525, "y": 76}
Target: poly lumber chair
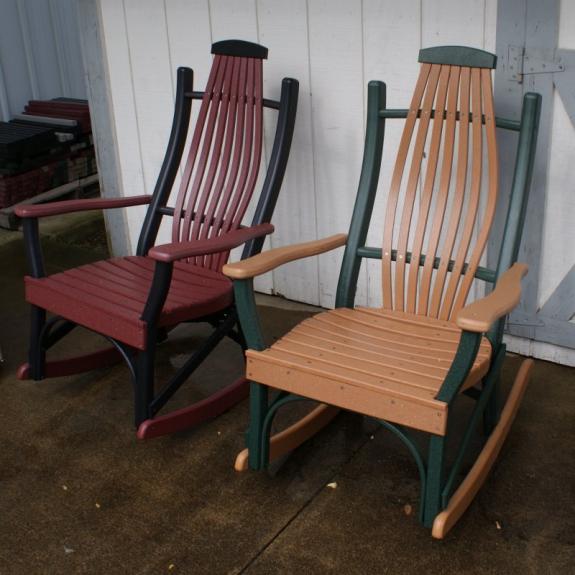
{"x": 408, "y": 362}
{"x": 135, "y": 301}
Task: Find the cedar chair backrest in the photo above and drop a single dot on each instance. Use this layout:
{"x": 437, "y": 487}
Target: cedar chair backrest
{"x": 436, "y": 222}
{"x": 434, "y": 206}
{"x": 223, "y": 162}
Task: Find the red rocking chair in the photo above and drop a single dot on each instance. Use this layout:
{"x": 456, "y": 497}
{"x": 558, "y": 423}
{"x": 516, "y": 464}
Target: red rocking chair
{"x": 135, "y": 301}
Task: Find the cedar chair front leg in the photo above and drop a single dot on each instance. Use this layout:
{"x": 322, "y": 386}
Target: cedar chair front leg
{"x": 260, "y": 447}
{"x": 458, "y": 372}
{"x": 252, "y": 331}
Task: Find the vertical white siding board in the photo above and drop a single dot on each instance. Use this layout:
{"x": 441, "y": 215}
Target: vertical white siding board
{"x": 391, "y": 44}
{"x": 27, "y": 40}
{"x": 193, "y": 51}
{"x": 186, "y": 48}
{"x": 490, "y": 26}
{"x": 12, "y": 56}
{"x": 542, "y": 32}
{"x": 234, "y": 19}
{"x": 445, "y": 22}
{"x": 507, "y": 96}
{"x": 65, "y": 13}
{"x": 103, "y": 128}
{"x": 336, "y": 65}
{"x": 237, "y": 19}
{"x": 4, "y": 103}
{"x": 43, "y": 48}
{"x": 283, "y": 29}
{"x": 152, "y": 91}
{"x": 117, "y": 58}
{"x": 57, "y": 32}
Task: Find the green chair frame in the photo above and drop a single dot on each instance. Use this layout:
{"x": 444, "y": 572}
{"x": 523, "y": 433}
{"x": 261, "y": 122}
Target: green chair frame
{"x": 442, "y": 500}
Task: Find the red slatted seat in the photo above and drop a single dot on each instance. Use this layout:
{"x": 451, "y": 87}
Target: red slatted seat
{"x": 109, "y": 296}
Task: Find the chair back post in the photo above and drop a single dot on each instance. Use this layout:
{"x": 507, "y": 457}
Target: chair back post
{"x": 362, "y": 211}
{"x": 522, "y": 175}
{"x": 172, "y": 158}
{"x": 277, "y": 163}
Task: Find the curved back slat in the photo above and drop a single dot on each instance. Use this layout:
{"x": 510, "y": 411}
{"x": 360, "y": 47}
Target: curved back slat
{"x": 396, "y": 184}
{"x": 448, "y": 218}
{"x": 224, "y": 156}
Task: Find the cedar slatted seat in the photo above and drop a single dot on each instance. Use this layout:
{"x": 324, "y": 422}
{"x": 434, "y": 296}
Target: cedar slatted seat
{"x": 409, "y": 362}
{"x": 376, "y": 362}
{"x": 135, "y": 301}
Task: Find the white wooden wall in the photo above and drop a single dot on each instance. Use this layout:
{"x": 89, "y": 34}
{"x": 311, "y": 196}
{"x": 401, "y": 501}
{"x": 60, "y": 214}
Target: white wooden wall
{"x": 558, "y": 247}
{"x": 333, "y": 47}
{"x": 40, "y": 54}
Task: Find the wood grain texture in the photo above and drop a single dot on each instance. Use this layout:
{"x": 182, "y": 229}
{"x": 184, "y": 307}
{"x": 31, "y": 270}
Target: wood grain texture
{"x": 109, "y": 296}
{"x": 479, "y": 315}
{"x": 386, "y": 364}
{"x": 267, "y": 261}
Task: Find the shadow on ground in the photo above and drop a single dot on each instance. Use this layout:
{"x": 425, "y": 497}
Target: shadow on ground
{"x": 79, "y": 493}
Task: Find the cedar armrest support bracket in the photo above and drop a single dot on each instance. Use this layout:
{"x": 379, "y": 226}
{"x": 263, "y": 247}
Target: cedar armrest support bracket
{"x": 480, "y": 315}
{"x": 476, "y": 319}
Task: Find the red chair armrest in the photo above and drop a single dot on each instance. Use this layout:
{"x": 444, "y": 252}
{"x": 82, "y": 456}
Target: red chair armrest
{"x": 69, "y": 206}
{"x": 180, "y": 250}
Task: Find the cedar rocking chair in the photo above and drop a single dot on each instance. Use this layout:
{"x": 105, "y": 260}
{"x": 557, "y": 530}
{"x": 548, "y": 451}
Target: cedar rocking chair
{"x": 408, "y": 362}
{"x": 135, "y": 301}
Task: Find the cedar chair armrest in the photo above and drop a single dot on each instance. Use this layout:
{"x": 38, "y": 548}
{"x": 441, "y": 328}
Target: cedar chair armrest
{"x": 180, "y": 250}
{"x": 479, "y": 315}
{"x": 267, "y": 261}
{"x": 69, "y": 206}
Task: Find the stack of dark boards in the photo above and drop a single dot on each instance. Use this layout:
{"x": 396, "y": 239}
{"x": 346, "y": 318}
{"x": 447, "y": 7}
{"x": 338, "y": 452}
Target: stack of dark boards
{"x": 47, "y": 146}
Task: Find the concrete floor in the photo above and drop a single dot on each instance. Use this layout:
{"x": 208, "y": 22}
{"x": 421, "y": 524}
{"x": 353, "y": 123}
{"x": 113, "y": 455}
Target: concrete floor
{"x": 79, "y": 493}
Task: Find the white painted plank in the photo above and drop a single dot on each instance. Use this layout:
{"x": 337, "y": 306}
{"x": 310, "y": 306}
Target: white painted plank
{"x": 237, "y": 19}
{"x": 445, "y": 22}
{"x": 391, "y": 44}
{"x": 17, "y": 87}
{"x": 153, "y": 96}
{"x": 27, "y": 41}
{"x": 117, "y": 61}
{"x": 540, "y": 350}
{"x": 65, "y": 23}
{"x": 283, "y": 29}
{"x": 104, "y": 134}
{"x": 490, "y": 25}
{"x": 42, "y": 47}
{"x": 193, "y": 51}
{"x": 336, "y": 67}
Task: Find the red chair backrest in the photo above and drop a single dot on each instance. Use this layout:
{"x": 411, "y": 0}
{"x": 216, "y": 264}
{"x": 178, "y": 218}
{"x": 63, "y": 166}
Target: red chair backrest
{"x": 224, "y": 156}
